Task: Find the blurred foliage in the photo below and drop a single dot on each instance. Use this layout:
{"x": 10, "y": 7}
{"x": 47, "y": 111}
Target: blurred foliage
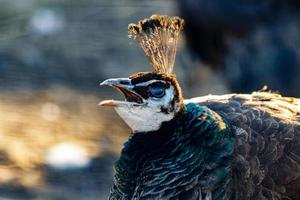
{"x": 75, "y": 43}
{"x": 250, "y": 43}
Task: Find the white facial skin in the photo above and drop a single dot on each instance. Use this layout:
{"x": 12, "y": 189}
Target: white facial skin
{"x": 148, "y": 117}
{"x": 143, "y": 114}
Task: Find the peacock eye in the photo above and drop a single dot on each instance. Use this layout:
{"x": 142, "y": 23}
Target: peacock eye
{"x": 157, "y": 91}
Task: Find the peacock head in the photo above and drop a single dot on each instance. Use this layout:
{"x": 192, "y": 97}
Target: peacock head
{"x": 151, "y": 98}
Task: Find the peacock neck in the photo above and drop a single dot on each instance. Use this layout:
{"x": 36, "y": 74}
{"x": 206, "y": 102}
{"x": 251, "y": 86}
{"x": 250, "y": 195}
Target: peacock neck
{"x": 197, "y": 129}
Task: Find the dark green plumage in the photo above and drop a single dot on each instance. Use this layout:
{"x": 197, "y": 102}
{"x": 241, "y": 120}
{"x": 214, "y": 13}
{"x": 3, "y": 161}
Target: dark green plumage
{"x": 193, "y": 150}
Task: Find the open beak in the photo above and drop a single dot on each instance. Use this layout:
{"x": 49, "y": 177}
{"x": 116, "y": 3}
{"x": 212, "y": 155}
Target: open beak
{"x": 124, "y": 86}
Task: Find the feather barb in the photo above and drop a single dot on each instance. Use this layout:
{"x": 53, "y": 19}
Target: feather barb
{"x": 158, "y": 36}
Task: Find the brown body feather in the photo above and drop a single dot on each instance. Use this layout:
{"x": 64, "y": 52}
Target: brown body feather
{"x": 267, "y": 143}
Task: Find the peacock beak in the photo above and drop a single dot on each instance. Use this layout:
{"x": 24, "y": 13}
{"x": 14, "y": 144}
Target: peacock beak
{"x": 124, "y": 86}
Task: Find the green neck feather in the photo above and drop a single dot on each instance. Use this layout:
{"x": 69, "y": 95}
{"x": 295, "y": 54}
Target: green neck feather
{"x": 196, "y": 130}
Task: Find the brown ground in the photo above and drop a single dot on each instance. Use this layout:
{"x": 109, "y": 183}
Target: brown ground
{"x": 33, "y": 121}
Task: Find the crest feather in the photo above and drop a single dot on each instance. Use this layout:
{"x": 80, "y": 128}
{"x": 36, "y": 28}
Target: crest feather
{"x": 158, "y": 36}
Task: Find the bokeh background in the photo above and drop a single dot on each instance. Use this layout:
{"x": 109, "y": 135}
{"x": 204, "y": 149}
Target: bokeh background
{"x": 55, "y": 142}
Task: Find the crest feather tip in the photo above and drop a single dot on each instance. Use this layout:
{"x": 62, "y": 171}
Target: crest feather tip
{"x": 158, "y": 36}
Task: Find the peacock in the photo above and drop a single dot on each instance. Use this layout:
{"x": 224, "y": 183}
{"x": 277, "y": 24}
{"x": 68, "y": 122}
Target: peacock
{"x": 215, "y": 147}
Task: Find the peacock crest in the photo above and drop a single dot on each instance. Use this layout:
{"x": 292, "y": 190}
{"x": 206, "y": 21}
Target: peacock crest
{"x": 158, "y": 36}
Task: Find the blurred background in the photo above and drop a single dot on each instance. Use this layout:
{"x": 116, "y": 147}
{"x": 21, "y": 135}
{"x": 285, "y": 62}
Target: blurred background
{"x": 55, "y": 142}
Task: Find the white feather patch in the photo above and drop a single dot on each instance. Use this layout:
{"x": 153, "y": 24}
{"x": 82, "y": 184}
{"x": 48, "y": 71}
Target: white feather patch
{"x": 148, "y": 117}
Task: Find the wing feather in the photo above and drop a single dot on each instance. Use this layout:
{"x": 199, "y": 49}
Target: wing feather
{"x": 267, "y": 142}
